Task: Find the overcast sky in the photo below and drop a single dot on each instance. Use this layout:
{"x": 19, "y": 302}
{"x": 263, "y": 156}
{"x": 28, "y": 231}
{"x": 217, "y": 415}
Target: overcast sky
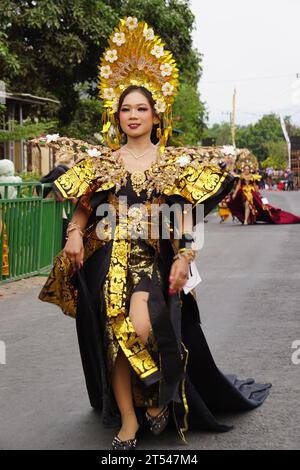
{"x": 253, "y": 45}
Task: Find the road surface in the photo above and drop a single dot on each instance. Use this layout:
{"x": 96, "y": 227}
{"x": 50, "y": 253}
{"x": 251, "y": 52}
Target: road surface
{"x": 249, "y": 300}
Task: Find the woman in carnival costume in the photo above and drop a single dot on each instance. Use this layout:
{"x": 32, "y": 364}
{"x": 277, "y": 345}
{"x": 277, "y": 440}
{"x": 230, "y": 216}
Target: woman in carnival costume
{"x": 144, "y": 355}
{"x": 246, "y": 203}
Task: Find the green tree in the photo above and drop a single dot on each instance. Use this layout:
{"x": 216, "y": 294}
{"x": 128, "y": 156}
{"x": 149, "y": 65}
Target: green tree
{"x": 28, "y": 130}
{"x": 291, "y": 128}
{"x": 48, "y": 47}
{"x": 189, "y": 115}
{"x": 256, "y": 136}
{"x": 277, "y": 155}
{"x": 8, "y": 60}
{"x": 86, "y": 121}
{"x": 221, "y": 132}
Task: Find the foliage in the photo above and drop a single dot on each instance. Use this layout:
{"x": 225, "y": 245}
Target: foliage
{"x": 291, "y": 128}
{"x": 50, "y": 46}
{"x": 264, "y": 138}
{"x": 255, "y": 136}
{"x": 29, "y": 176}
{"x": 188, "y": 116}
{"x": 28, "y": 130}
{"x": 221, "y": 132}
{"x": 86, "y": 121}
{"x": 277, "y": 155}
{"x": 9, "y": 64}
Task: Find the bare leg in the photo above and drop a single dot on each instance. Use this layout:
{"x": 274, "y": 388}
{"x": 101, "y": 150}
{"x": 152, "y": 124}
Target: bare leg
{"x": 121, "y": 377}
{"x": 139, "y": 315}
{"x": 247, "y": 213}
{"x": 121, "y": 383}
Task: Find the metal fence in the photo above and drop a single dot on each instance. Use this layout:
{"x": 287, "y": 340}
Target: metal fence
{"x": 31, "y": 229}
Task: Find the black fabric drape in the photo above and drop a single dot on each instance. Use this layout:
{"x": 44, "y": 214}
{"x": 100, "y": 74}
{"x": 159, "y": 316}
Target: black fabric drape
{"x": 174, "y": 320}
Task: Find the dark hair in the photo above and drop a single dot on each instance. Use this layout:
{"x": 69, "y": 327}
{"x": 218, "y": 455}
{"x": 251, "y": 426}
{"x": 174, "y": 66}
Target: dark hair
{"x": 51, "y": 177}
{"x": 151, "y": 101}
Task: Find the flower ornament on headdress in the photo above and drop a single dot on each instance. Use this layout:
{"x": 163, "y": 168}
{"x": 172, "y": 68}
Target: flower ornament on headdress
{"x": 136, "y": 56}
{"x": 246, "y": 158}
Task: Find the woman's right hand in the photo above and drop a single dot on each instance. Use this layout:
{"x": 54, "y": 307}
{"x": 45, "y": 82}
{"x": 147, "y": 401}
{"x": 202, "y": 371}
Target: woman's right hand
{"x": 74, "y": 249}
{"x": 237, "y": 188}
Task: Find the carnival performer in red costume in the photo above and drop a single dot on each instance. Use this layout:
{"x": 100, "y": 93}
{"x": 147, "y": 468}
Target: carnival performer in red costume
{"x": 246, "y": 202}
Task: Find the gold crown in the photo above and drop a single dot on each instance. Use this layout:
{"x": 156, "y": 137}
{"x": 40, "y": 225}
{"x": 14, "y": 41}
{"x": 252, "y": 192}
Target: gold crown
{"x": 246, "y": 158}
{"x": 135, "y": 56}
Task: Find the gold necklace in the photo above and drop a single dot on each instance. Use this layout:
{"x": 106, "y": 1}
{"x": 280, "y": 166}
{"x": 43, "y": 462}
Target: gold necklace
{"x": 134, "y": 154}
{"x": 138, "y": 177}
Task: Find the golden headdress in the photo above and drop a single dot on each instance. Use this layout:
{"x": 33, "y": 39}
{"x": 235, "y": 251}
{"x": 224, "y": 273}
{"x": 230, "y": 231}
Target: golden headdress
{"x": 246, "y": 158}
{"x": 135, "y": 56}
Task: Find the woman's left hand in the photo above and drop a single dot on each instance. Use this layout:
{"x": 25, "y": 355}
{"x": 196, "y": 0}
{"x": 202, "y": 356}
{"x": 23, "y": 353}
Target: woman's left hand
{"x": 178, "y": 275}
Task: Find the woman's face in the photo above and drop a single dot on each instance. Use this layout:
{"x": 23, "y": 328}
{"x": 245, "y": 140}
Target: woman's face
{"x": 136, "y": 115}
{"x": 246, "y": 170}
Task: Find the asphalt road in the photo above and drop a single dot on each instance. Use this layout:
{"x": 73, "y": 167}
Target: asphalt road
{"x": 249, "y": 300}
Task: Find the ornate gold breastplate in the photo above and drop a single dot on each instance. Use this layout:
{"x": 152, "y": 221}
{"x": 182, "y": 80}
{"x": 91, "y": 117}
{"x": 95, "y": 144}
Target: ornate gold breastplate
{"x": 138, "y": 180}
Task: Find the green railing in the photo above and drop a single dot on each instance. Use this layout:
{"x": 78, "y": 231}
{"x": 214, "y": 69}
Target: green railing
{"x": 33, "y": 226}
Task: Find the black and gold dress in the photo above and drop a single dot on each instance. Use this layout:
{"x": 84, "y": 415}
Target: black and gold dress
{"x": 175, "y": 367}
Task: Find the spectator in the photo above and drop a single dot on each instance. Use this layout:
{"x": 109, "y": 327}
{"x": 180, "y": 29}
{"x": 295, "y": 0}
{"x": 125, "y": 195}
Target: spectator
{"x": 63, "y": 164}
{"x": 263, "y": 175}
{"x": 7, "y": 175}
{"x": 290, "y": 185}
{"x": 270, "y": 174}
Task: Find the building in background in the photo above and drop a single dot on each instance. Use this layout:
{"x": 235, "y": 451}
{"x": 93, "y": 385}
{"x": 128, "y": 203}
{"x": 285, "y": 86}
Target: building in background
{"x": 295, "y": 160}
{"x": 19, "y": 106}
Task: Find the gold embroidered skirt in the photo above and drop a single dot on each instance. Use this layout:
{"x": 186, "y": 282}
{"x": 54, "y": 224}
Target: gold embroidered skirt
{"x": 139, "y": 274}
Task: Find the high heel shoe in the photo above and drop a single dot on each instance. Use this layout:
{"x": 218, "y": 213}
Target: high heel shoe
{"x": 130, "y": 444}
{"x": 158, "y": 423}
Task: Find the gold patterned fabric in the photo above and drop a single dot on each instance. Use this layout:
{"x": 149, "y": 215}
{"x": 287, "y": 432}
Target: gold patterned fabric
{"x": 141, "y": 264}
{"x": 115, "y": 294}
{"x": 59, "y": 288}
{"x": 250, "y": 177}
{"x": 188, "y": 173}
{"x": 92, "y": 174}
{"x": 248, "y": 187}
{"x": 247, "y": 191}
{"x": 5, "y": 263}
{"x": 196, "y": 185}
{"x": 128, "y": 261}
{"x": 192, "y": 174}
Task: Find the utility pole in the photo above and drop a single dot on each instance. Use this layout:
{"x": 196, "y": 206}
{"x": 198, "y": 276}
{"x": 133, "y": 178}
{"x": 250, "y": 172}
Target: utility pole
{"x": 232, "y": 118}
